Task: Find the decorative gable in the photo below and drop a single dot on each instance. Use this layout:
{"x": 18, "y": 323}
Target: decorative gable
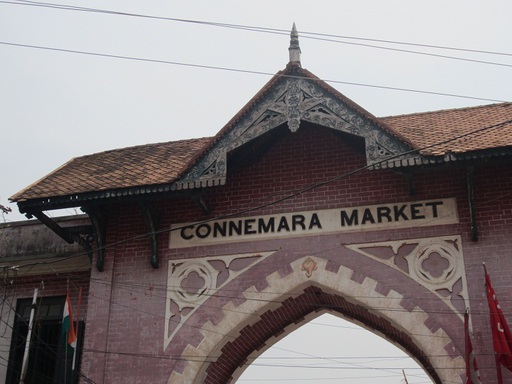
{"x": 292, "y": 96}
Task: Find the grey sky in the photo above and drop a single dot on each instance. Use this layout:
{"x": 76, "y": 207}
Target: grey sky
{"x": 58, "y": 105}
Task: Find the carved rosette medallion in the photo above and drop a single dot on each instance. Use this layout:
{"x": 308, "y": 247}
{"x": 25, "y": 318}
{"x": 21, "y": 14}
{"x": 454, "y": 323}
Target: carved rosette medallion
{"x": 191, "y": 282}
{"x": 436, "y": 263}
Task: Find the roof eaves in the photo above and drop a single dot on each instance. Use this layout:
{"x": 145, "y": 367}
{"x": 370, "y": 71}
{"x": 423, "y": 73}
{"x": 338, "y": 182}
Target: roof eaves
{"x": 384, "y": 126}
{"x": 444, "y": 158}
{"x": 74, "y": 200}
{"x": 135, "y": 193}
{"x": 18, "y": 197}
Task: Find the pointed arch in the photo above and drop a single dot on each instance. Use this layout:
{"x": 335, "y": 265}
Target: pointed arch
{"x": 312, "y": 286}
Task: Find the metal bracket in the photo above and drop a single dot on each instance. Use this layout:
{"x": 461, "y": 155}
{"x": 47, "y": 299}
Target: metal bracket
{"x": 409, "y": 177}
{"x": 70, "y": 235}
{"x": 61, "y": 232}
{"x": 471, "y": 203}
{"x": 152, "y": 222}
{"x": 84, "y": 238}
{"x": 199, "y": 200}
{"x": 98, "y": 219}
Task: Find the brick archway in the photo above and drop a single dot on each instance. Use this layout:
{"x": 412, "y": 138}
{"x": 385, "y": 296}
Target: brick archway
{"x": 310, "y": 287}
{"x": 272, "y": 324}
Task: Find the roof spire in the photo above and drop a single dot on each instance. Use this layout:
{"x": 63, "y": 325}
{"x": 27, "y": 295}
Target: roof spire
{"x": 294, "y": 48}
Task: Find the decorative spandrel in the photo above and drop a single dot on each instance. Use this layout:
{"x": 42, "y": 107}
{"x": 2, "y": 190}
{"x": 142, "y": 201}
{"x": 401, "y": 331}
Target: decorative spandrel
{"x": 191, "y": 282}
{"x": 435, "y": 263}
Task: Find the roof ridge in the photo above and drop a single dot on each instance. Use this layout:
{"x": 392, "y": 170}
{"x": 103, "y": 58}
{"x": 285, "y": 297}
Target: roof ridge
{"x": 446, "y": 110}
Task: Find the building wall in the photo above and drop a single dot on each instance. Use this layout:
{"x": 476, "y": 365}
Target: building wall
{"x": 129, "y": 302}
{"x": 32, "y": 256}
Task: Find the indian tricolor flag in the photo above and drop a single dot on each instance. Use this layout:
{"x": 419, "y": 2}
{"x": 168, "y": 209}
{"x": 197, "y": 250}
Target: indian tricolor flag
{"x": 68, "y": 327}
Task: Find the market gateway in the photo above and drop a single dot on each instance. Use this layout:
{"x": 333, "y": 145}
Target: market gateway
{"x": 363, "y": 218}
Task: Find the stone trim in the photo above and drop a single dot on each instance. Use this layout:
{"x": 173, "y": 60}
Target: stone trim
{"x": 428, "y": 336}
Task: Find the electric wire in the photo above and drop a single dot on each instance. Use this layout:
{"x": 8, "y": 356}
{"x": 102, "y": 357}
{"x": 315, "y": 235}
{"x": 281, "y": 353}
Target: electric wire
{"x": 36, "y": 335}
{"x": 305, "y": 34}
{"x": 480, "y": 130}
{"x": 245, "y": 71}
{"x": 284, "y": 196}
{"x": 337, "y": 178}
{"x": 206, "y": 359}
{"x": 194, "y": 358}
{"x": 152, "y": 314}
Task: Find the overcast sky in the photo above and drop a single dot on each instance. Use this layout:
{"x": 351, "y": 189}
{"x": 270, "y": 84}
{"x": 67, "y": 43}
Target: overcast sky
{"x": 135, "y": 79}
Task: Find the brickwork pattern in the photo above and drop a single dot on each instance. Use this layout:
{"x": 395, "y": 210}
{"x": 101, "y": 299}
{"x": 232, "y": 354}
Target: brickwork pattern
{"x": 125, "y": 319}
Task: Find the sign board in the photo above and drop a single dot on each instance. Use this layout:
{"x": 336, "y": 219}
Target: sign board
{"x": 308, "y": 223}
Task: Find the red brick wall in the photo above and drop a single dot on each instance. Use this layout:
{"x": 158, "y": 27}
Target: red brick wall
{"x": 125, "y": 319}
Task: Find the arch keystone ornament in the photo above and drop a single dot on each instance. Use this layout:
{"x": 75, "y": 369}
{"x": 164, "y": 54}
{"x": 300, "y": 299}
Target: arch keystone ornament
{"x": 309, "y": 266}
{"x": 287, "y": 298}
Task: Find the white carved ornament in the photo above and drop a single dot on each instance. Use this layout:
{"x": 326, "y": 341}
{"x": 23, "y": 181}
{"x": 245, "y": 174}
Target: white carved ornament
{"x": 191, "y": 282}
{"x": 436, "y": 263}
{"x": 293, "y": 100}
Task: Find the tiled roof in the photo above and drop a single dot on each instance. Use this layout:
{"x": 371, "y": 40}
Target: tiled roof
{"x": 479, "y": 128}
{"x": 459, "y": 130}
{"x": 150, "y": 164}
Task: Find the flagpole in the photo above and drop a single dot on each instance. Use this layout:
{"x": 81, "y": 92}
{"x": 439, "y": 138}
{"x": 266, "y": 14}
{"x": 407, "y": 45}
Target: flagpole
{"x": 24, "y": 365}
{"x": 76, "y": 327}
{"x": 501, "y": 334}
{"x": 66, "y": 336}
{"x": 405, "y": 377}
{"x": 466, "y": 344}
{"x": 499, "y": 374}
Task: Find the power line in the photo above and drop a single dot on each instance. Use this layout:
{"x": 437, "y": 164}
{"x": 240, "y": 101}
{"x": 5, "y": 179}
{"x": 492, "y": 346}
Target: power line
{"x": 49, "y": 348}
{"x": 195, "y": 358}
{"x": 304, "y": 34}
{"x": 360, "y": 169}
{"x": 237, "y": 70}
{"x": 286, "y": 195}
{"x": 208, "y": 359}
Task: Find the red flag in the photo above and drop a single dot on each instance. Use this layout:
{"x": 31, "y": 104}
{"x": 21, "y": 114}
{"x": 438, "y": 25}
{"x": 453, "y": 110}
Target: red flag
{"x": 472, "y": 373}
{"x": 501, "y": 336}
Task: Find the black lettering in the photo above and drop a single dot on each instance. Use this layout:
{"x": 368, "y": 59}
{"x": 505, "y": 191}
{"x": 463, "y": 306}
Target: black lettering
{"x": 268, "y": 227}
{"x": 219, "y": 229}
{"x": 349, "y": 220}
{"x": 298, "y": 221}
{"x": 283, "y": 224}
{"x": 235, "y": 227}
{"x": 248, "y": 229}
{"x": 434, "y": 206}
{"x": 399, "y": 212}
{"x": 315, "y": 222}
{"x": 415, "y": 211}
{"x": 206, "y": 233}
{"x": 367, "y": 216}
{"x": 384, "y": 212}
{"x": 184, "y": 235}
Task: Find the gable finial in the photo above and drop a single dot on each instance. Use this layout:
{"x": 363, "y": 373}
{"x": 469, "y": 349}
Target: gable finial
{"x": 294, "y": 48}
